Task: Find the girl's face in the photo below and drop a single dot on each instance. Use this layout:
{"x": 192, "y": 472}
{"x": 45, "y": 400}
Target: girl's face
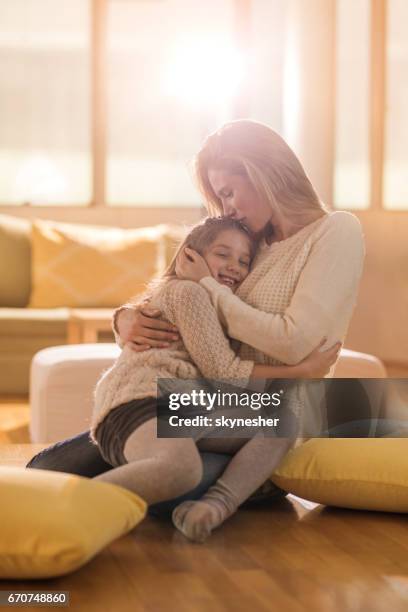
{"x": 239, "y": 199}
{"x": 229, "y": 258}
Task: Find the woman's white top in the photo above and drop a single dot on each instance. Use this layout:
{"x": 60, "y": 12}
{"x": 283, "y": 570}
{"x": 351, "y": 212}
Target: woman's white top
{"x": 300, "y": 290}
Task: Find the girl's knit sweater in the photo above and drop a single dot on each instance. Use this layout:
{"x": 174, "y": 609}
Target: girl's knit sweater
{"x": 299, "y": 290}
{"x": 203, "y": 351}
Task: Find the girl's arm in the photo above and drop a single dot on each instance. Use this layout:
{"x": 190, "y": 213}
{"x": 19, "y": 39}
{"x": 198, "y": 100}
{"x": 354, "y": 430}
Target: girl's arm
{"x": 188, "y": 306}
{"x": 321, "y": 305}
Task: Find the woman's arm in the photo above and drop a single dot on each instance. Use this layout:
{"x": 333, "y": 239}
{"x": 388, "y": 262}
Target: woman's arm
{"x": 188, "y": 306}
{"x": 140, "y": 327}
{"x": 321, "y": 305}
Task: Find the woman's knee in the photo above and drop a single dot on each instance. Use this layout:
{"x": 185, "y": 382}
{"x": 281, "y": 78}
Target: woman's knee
{"x": 76, "y": 455}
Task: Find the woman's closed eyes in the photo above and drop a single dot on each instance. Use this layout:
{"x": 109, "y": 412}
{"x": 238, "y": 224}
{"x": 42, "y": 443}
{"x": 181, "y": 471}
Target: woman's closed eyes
{"x": 226, "y": 196}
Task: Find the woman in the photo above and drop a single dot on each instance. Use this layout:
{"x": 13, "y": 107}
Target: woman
{"x": 305, "y": 277}
{"x": 304, "y": 281}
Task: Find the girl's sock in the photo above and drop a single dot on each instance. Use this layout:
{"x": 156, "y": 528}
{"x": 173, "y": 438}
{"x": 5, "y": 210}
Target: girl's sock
{"x": 197, "y": 519}
{"x": 248, "y": 469}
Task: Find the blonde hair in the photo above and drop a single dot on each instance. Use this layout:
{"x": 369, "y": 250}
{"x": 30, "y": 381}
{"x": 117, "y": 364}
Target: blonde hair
{"x": 254, "y": 150}
{"x": 200, "y": 237}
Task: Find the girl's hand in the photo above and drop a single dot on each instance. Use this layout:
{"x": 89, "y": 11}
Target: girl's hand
{"x": 191, "y": 266}
{"x": 318, "y": 363}
{"x": 141, "y": 328}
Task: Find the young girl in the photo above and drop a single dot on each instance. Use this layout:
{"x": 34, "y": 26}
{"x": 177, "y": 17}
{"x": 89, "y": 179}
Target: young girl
{"x": 124, "y": 418}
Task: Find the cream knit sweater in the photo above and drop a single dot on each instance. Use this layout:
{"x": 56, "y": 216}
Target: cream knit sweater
{"x": 300, "y": 290}
{"x": 203, "y": 351}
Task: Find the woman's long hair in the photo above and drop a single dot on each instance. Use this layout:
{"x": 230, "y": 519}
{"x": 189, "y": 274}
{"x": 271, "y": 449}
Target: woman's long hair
{"x": 254, "y": 150}
{"x": 200, "y": 236}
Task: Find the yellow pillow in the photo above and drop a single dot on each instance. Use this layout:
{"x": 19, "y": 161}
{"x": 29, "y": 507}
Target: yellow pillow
{"x": 85, "y": 267}
{"x": 53, "y": 523}
{"x": 365, "y": 474}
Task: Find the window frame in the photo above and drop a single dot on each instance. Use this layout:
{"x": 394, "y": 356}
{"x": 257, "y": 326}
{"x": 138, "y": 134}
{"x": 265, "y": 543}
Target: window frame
{"x": 376, "y": 111}
{"x": 99, "y": 24}
{"x": 378, "y": 79}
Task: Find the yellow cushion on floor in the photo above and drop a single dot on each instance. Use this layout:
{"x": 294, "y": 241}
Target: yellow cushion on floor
{"x": 52, "y": 522}
{"x": 364, "y": 474}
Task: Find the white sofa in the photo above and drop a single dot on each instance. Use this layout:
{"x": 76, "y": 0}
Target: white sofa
{"x": 62, "y": 379}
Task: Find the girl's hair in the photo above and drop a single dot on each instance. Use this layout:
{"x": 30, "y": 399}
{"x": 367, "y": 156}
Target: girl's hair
{"x": 200, "y": 236}
{"x": 254, "y": 150}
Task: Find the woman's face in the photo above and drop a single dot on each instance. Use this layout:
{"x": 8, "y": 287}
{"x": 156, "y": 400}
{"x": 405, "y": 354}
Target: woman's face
{"x": 239, "y": 199}
{"x": 229, "y": 257}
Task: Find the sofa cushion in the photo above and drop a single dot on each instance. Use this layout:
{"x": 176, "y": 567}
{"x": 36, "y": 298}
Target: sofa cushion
{"x": 15, "y": 264}
{"x": 85, "y": 266}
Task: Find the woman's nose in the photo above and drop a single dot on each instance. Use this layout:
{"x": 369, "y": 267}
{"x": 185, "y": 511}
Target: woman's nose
{"x": 229, "y": 211}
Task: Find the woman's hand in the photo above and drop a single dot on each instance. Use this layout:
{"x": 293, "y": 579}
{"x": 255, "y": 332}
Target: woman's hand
{"x": 141, "y": 328}
{"x": 190, "y": 265}
{"x": 318, "y": 363}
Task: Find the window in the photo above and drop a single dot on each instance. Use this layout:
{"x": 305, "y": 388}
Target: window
{"x": 44, "y": 102}
{"x": 352, "y": 142}
{"x": 371, "y": 125}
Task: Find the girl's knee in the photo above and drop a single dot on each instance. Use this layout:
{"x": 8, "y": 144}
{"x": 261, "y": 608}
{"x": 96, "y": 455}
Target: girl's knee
{"x": 182, "y": 473}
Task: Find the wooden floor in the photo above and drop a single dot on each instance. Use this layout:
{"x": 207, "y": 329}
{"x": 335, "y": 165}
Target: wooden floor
{"x": 290, "y": 555}
{"x": 287, "y": 555}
